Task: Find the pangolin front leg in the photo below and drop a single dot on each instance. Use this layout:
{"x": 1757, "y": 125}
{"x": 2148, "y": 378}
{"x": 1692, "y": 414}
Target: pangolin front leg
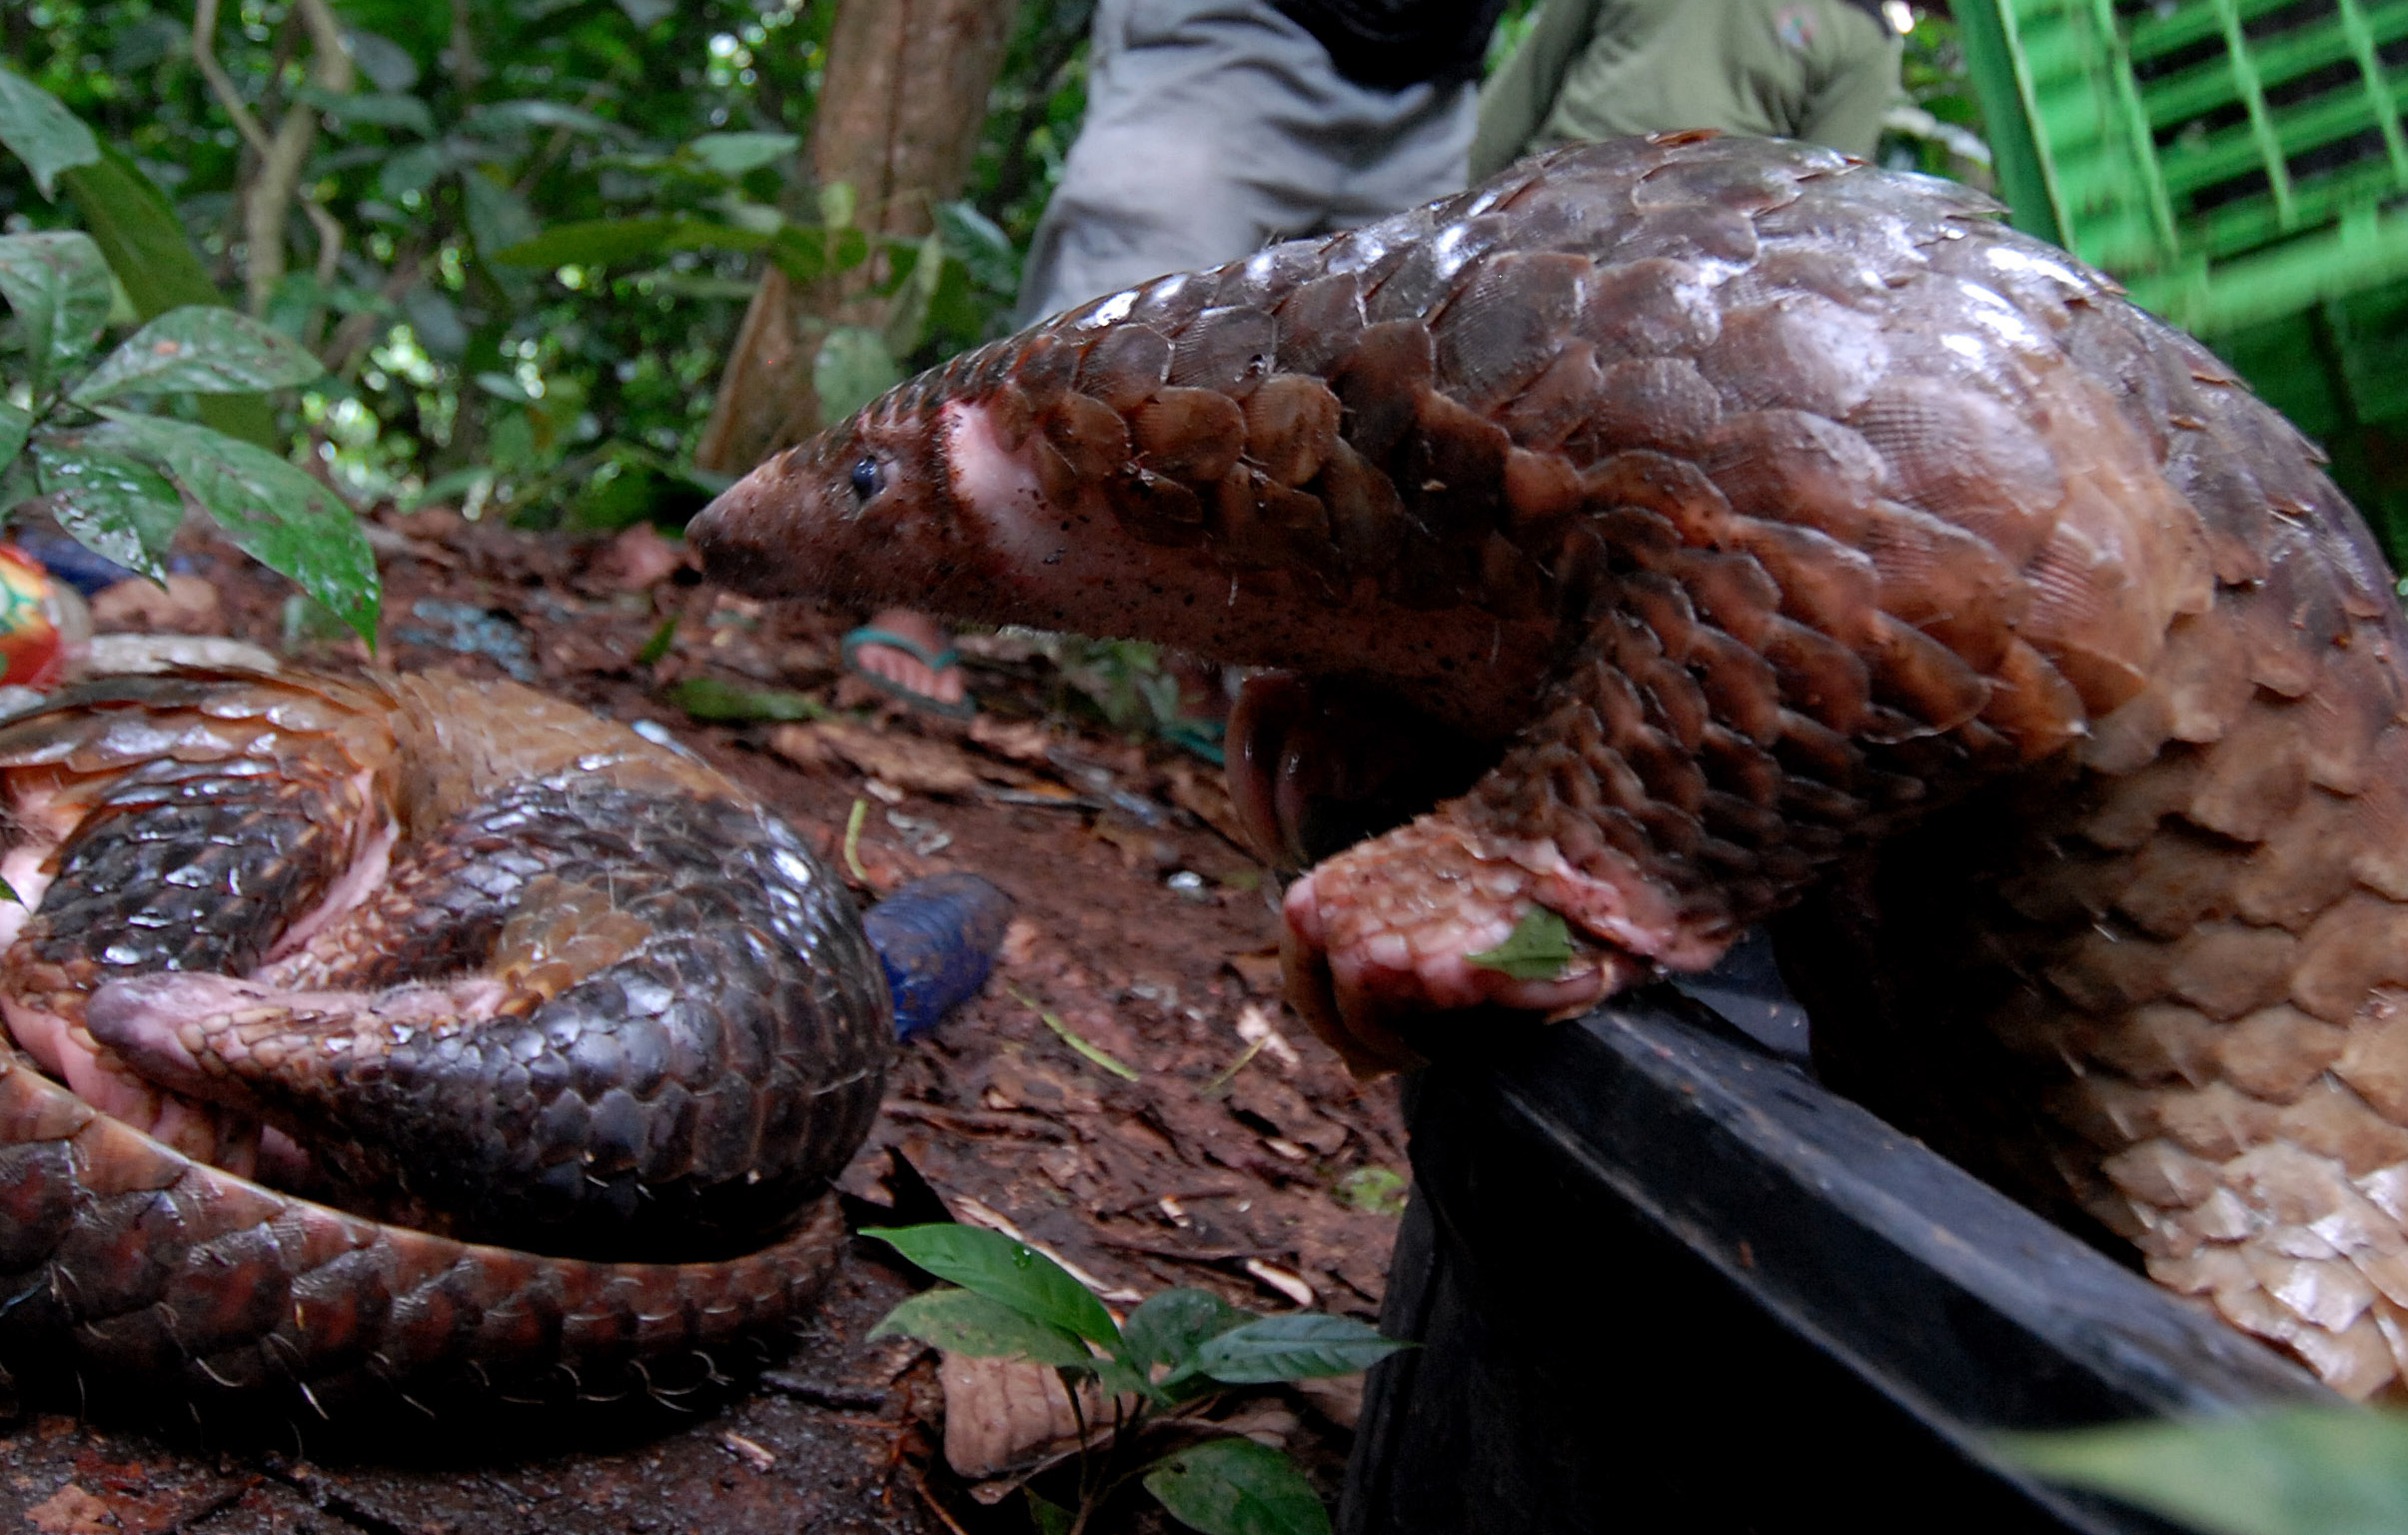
{"x": 1782, "y": 531}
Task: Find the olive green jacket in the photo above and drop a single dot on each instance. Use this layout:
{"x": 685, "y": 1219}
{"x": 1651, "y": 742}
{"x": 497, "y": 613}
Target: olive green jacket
{"x": 1823, "y": 70}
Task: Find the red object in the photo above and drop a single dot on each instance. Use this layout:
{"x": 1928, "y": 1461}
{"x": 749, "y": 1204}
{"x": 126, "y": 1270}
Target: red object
{"x": 30, "y": 642}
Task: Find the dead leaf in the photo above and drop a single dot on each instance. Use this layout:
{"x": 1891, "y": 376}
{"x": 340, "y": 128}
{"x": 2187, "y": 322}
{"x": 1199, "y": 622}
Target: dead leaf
{"x": 1204, "y": 795}
{"x": 1016, "y": 740}
{"x": 1260, "y": 972}
{"x": 187, "y": 606}
{"x": 905, "y": 762}
{"x": 1005, "y": 1413}
{"x": 1282, "y": 1107}
{"x": 72, "y": 1511}
{"x": 1019, "y": 941}
{"x": 637, "y": 559}
{"x": 1337, "y": 1398}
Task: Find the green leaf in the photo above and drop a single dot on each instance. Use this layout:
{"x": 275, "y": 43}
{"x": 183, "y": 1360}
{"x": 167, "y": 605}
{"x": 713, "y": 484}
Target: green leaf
{"x": 115, "y": 505}
{"x": 503, "y": 115}
{"x": 1237, "y": 1487}
{"x": 982, "y": 245}
{"x": 1292, "y": 1347}
{"x": 14, "y": 425}
{"x": 657, "y": 647}
{"x": 2305, "y": 1471}
{"x": 1540, "y": 948}
{"x": 384, "y": 109}
{"x": 1049, "y": 1517}
{"x": 708, "y": 697}
{"x": 411, "y": 170}
{"x": 1004, "y": 1270}
{"x": 39, "y": 130}
{"x": 732, "y": 154}
{"x": 131, "y": 220}
{"x": 837, "y": 204}
{"x": 806, "y": 254}
{"x": 202, "y": 350}
{"x": 965, "y": 1322}
{"x": 1171, "y": 1323}
{"x": 1373, "y": 1190}
{"x": 854, "y": 367}
{"x": 271, "y": 510}
{"x": 498, "y": 216}
{"x": 389, "y": 65}
{"x": 57, "y": 282}
{"x": 907, "y": 315}
{"x": 607, "y": 242}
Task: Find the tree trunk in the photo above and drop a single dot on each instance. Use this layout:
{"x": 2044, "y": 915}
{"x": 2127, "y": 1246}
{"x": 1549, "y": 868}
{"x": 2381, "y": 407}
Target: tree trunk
{"x": 898, "y": 120}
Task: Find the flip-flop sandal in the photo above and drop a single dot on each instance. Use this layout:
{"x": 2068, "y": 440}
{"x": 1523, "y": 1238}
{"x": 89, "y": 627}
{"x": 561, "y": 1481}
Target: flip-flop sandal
{"x": 937, "y": 661}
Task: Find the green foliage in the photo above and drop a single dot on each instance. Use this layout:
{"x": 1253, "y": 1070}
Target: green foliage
{"x": 1376, "y": 1190}
{"x": 1012, "y": 1273}
{"x": 2304, "y": 1471}
{"x": 1175, "y": 1352}
{"x": 1938, "y": 128}
{"x": 579, "y": 197}
{"x": 116, "y": 477}
{"x": 1538, "y": 948}
{"x": 708, "y": 697}
{"x": 1237, "y": 1487}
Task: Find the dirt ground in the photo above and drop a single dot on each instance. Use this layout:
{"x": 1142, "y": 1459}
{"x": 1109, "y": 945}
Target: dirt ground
{"x": 1127, "y": 1092}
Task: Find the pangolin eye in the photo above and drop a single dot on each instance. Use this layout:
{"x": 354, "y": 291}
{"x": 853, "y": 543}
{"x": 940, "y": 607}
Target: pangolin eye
{"x": 868, "y": 480}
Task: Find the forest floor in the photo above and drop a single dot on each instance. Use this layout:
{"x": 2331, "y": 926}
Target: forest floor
{"x": 1126, "y": 1094}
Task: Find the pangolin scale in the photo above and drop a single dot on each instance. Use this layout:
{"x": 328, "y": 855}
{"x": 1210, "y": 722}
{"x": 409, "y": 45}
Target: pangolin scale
{"x": 1788, "y": 540}
{"x": 560, "y": 1031}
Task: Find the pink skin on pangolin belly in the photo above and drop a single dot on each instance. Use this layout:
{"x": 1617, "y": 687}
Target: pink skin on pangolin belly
{"x": 106, "y": 1079}
{"x": 1380, "y": 955}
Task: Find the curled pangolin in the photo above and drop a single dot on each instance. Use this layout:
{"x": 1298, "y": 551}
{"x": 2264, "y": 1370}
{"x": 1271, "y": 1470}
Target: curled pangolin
{"x": 1775, "y": 538}
{"x": 562, "y": 1032}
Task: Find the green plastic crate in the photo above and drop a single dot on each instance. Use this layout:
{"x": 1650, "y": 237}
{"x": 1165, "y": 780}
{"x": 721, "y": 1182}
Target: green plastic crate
{"x": 2241, "y": 166}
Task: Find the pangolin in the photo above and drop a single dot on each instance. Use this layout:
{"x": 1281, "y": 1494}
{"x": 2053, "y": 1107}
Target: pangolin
{"x": 407, "y": 1037}
{"x": 1743, "y": 533}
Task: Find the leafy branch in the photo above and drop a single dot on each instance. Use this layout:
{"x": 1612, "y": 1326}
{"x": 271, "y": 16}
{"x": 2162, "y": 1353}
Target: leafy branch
{"x": 81, "y": 433}
{"x": 1173, "y": 1357}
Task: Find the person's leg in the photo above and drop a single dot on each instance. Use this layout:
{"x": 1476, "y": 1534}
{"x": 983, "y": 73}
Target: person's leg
{"x": 1188, "y": 156}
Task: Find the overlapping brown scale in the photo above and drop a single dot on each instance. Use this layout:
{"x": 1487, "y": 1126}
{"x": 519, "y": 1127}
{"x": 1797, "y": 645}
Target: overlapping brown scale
{"x": 1157, "y": 510}
{"x": 1046, "y": 367}
{"x": 2086, "y": 618}
{"x": 1366, "y": 520}
{"x": 1263, "y": 278}
{"x": 1125, "y": 365}
{"x": 1925, "y": 680}
{"x": 1504, "y": 324}
{"x": 1380, "y": 384}
{"x": 1453, "y": 473}
{"x": 1228, "y": 348}
{"x": 1649, "y": 307}
{"x": 1090, "y": 436}
{"x": 1291, "y": 427}
{"x": 1946, "y": 581}
{"x": 1427, "y": 277}
{"x": 1804, "y": 352}
{"x": 1674, "y": 489}
{"x": 1794, "y": 466}
{"x": 1751, "y": 185}
{"x": 1689, "y": 232}
{"x": 1194, "y": 435}
{"x": 1318, "y": 324}
{"x": 1168, "y": 304}
{"x": 1967, "y": 458}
